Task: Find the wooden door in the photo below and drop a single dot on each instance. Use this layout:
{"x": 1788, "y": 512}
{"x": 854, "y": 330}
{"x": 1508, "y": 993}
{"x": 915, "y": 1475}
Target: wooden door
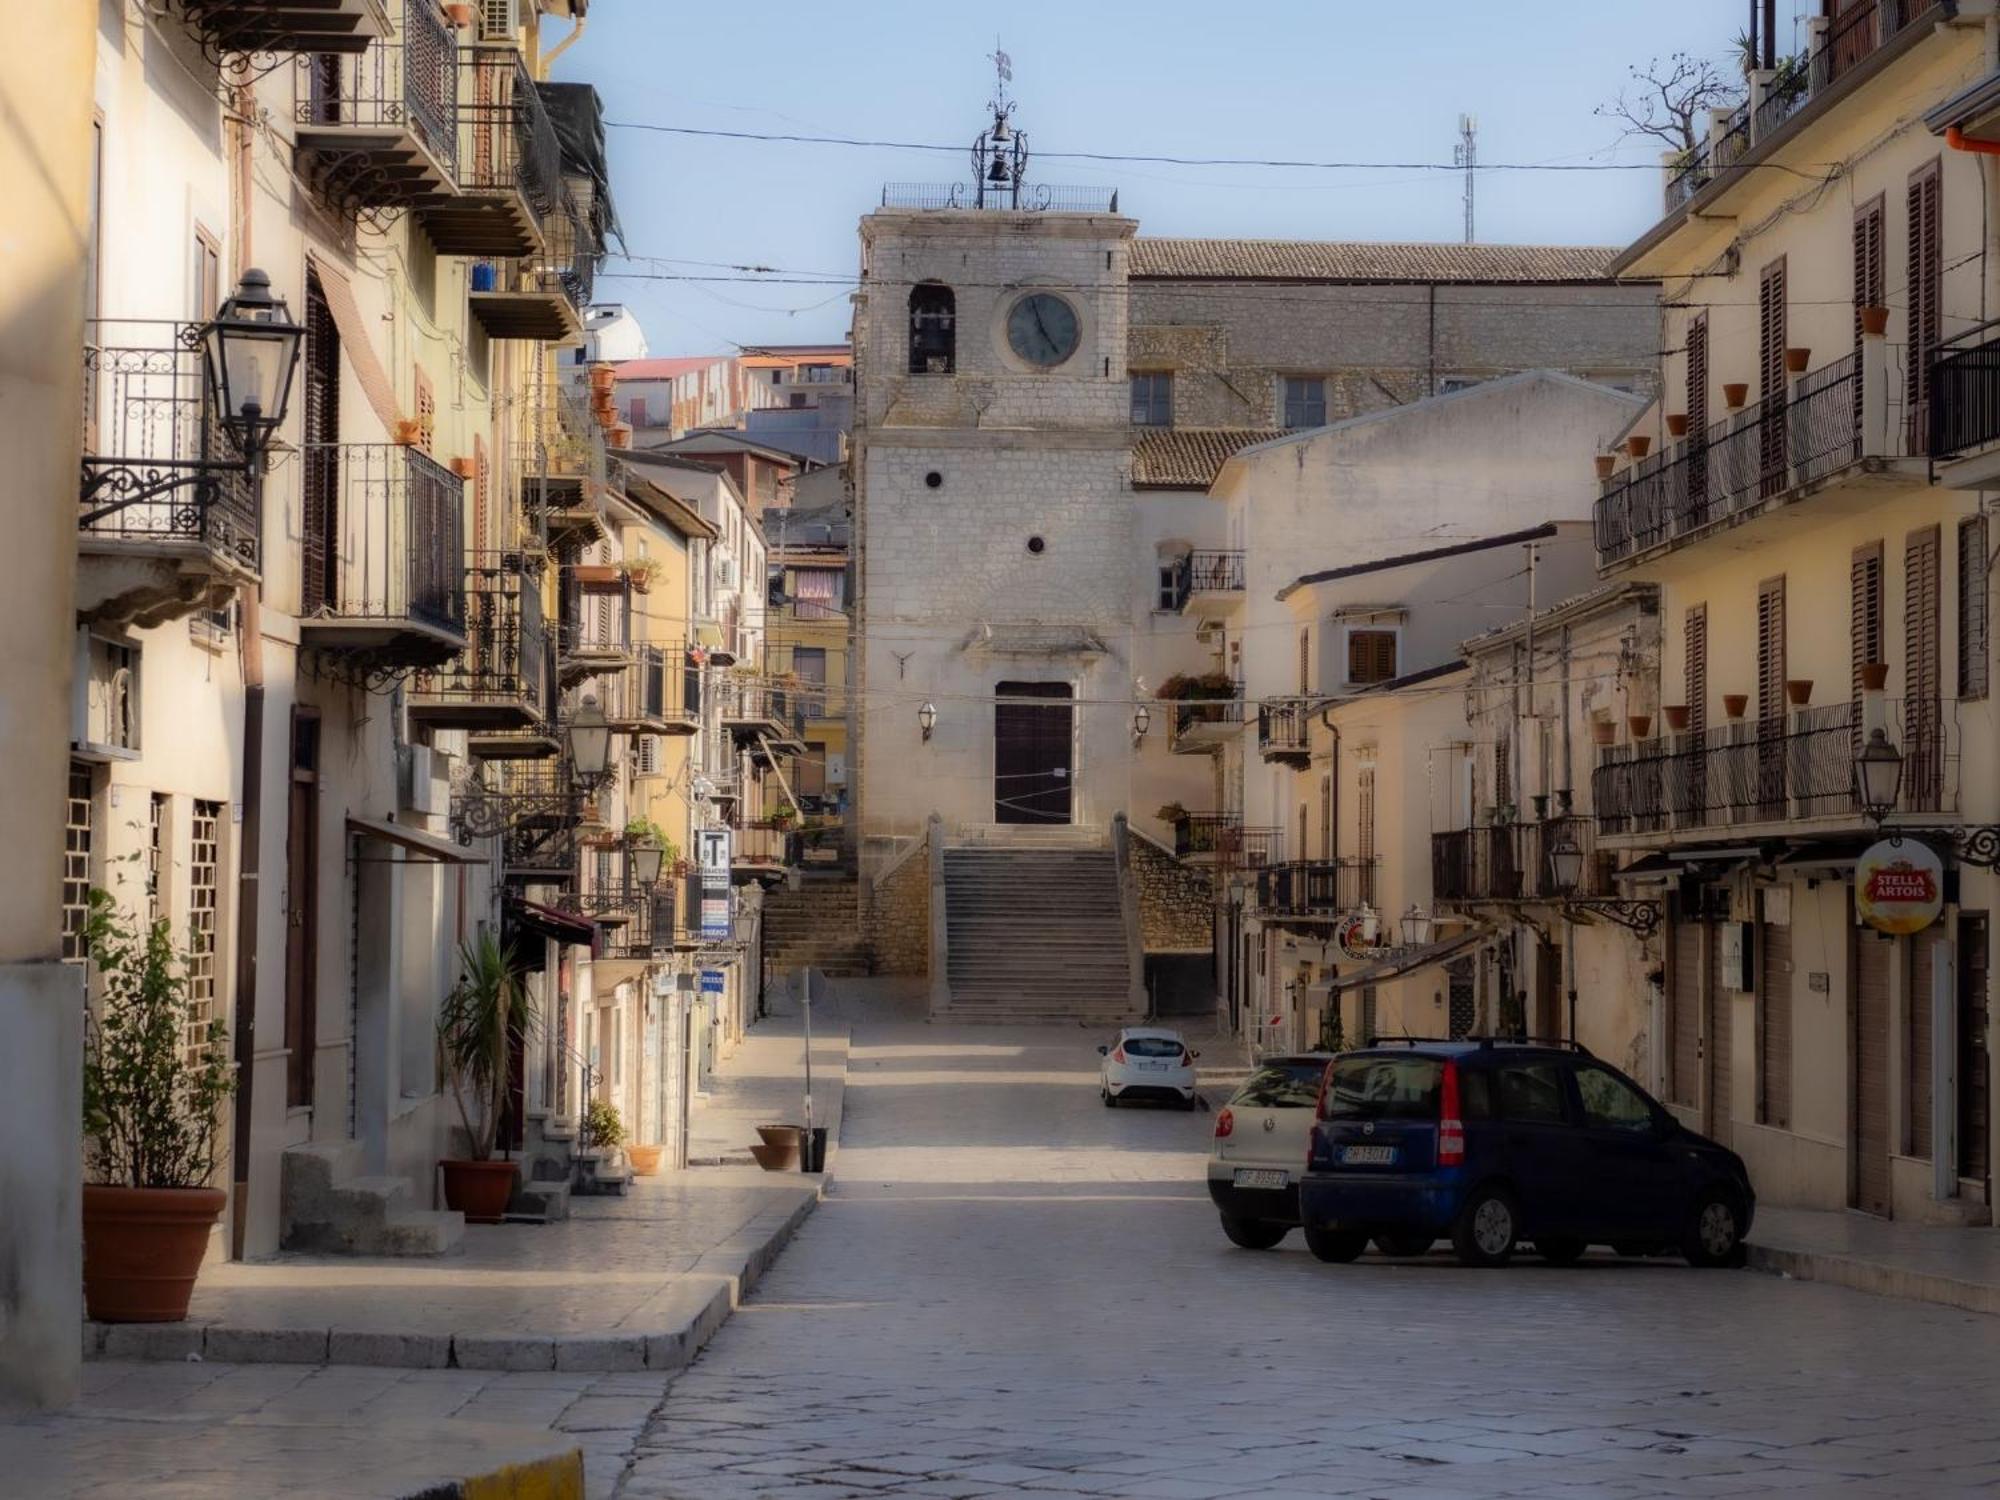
{"x": 1031, "y": 753}
{"x": 319, "y": 538}
{"x": 302, "y": 911}
{"x": 1975, "y": 1065}
{"x": 1684, "y": 1013}
{"x": 1870, "y": 1173}
{"x": 1918, "y": 1032}
{"x": 1718, "y": 1044}
{"x": 1774, "y": 1025}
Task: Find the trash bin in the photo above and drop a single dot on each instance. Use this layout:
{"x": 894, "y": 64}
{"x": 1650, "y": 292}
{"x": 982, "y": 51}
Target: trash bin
{"x": 812, "y": 1158}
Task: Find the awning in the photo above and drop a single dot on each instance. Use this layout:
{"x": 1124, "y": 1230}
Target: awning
{"x": 1668, "y": 863}
{"x": 355, "y": 343}
{"x": 709, "y": 634}
{"x": 1409, "y": 961}
{"x": 416, "y": 841}
{"x": 1831, "y": 856}
{"x": 1651, "y": 867}
{"x": 552, "y": 922}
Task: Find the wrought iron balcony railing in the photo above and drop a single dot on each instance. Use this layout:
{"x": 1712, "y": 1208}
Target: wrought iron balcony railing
{"x": 1220, "y": 840}
{"x": 659, "y": 693}
{"x": 1965, "y": 399}
{"x": 540, "y": 295}
{"x": 1207, "y": 573}
{"x": 1032, "y": 198}
{"x": 1510, "y": 862}
{"x": 752, "y": 708}
{"x": 229, "y": 30}
{"x": 762, "y": 845}
{"x": 1317, "y": 889}
{"x": 1200, "y": 726}
{"x": 1284, "y": 729}
{"x": 157, "y": 468}
{"x": 383, "y": 551}
{"x": 1793, "y": 766}
{"x": 379, "y": 128}
{"x": 505, "y": 677}
{"x": 508, "y": 161}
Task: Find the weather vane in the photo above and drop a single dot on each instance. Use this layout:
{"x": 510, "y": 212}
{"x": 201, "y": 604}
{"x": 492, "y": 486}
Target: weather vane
{"x": 1000, "y": 155}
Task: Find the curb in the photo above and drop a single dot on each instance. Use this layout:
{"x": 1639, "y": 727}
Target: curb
{"x": 1874, "y": 1277}
{"x": 558, "y": 1477}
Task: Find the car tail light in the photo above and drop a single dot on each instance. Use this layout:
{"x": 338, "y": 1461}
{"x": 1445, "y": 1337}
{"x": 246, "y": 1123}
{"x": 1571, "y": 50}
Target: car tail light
{"x": 1187, "y": 1058}
{"x": 1225, "y": 1124}
{"x": 1118, "y": 1054}
{"x": 1451, "y": 1125}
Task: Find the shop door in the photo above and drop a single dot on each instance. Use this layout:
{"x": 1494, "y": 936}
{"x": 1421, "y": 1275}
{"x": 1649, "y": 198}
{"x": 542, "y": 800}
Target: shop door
{"x": 1031, "y": 753}
{"x": 1870, "y": 1051}
{"x": 302, "y": 911}
{"x": 1918, "y": 1045}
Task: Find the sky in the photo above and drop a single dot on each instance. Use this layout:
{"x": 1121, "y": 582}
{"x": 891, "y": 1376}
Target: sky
{"x": 1323, "y": 80}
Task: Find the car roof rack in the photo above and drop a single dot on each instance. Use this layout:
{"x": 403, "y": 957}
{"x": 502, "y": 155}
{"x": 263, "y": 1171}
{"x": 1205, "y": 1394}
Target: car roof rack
{"x": 1556, "y": 1043}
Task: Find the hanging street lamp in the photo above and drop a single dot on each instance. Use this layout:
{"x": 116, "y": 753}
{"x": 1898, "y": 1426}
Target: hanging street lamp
{"x": 587, "y": 737}
{"x": 251, "y": 350}
{"x": 927, "y": 718}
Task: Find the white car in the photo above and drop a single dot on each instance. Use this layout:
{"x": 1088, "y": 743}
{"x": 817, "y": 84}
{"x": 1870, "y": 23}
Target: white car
{"x": 1260, "y": 1148}
{"x": 1147, "y": 1062}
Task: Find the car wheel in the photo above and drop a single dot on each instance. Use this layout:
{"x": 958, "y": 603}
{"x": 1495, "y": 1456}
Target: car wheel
{"x": 1484, "y": 1233}
{"x": 1560, "y": 1250}
{"x": 1335, "y": 1246}
{"x": 1188, "y": 1103}
{"x": 1403, "y": 1246}
{"x": 1110, "y": 1099}
{"x": 1253, "y": 1234}
{"x": 1714, "y": 1234}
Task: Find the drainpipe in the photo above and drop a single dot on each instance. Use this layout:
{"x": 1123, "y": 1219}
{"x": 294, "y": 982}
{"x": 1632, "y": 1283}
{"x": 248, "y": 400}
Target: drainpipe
{"x": 1958, "y": 140}
{"x": 564, "y": 45}
{"x": 248, "y": 910}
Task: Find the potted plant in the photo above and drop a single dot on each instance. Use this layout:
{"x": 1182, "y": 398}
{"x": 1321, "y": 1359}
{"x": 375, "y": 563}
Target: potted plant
{"x": 644, "y": 1160}
{"x": 1677, "y": 715}
{"x": 643, "y": 830}
{"x": 486, "y": 1011}
{"x": 597, "y": 577}
{"x": 639, "y": 573}
{"x": 1735, "y": 393}
{"x": 1171, "y": 813}
{"x": 1639, "y": 724}
{"x": 602, "y": 378}
{"x": 1796, "y": 361}
{"x": 1677, "y": 424}
{"x": 599, "y": 1134}
{"x": 1874, "y": 676}
{"x": 1798, "y": 691}
{"x": 1875, "y": 320}
{"x": 1606, "y": 464}
{"x": 782, "y": 818}
{"x": 409, "y": 431}
{"x": 151, "y": 1105}
{"x": 1214, "y": 687}
{"x": 1603, "y": 731}
{"x": 1637, "y": 444}
{"x": 1734, "y": 704}
{"x": 459, "y": 14}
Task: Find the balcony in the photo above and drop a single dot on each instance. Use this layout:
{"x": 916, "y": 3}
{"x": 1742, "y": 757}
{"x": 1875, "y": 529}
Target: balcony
{"x": 1776, "y": 772}
{"x": 1284, "y": 731}
{"x": 1209, "y": 585}
{"x": 595, "y": 636}
{"x": 1319, "y": 890}
{"x": 561, "y": 464}
{"x": 166, "y": 525}
{"x": 534, "y": 808}
{"x": 539, "y": 297}
{"x": 1219, "y": 841}
{"x": 761, "y": 850}
{"x": 238, "y": 28}
{"x": 1510, "y": 863}
{"x": 389, "y": 594}
{"x": 504, "y": 681}
{"x": 659, "y": 693}
{"x": 509, "y": 163}
{"x": 377, "y": 131}
{"x": 1202, "y": 726}
{"x": 1964, "y": 425}
{"x": 765, "y": 719}
{"x": 1831, "y": 425}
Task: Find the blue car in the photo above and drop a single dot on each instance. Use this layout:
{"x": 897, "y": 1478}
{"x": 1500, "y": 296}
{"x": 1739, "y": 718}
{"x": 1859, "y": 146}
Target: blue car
{"x": 1489, "y": 1143}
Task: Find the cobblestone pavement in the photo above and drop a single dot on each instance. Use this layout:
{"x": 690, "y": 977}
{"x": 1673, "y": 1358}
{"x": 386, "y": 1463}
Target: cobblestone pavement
{"x": 1014, "y": 1291}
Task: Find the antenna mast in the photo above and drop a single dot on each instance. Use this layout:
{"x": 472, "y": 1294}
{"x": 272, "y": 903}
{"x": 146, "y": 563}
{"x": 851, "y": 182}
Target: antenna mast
{"x": 1466, "y": 154}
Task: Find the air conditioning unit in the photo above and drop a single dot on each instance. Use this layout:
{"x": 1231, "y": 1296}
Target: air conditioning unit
{"x": 645, "y": 755}
{"x": 499, "y": 20}
{"x": 104, "y": 722}
{"x": 426, "y": 781}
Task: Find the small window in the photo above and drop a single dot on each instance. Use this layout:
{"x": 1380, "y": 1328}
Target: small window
{"x": 798, "y": 400}
{"x": 1532, "y": 1091}
{"x": 1305, "y": 401}
{"x": 1170, "y": 588}
{"x": 933, "y": 329}
{"x": 1153, "y": 399}
{"x": 1371, "y": 655}
{"x": 1610, "y": 1103}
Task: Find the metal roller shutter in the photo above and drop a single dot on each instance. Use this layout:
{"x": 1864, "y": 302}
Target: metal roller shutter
{"x": 1871, "y": 1072}
{"x": 1774, "y": 1026}
{"x": 1917, "y": 1031}
{"x": 1721, "y": 999}
{"x": 1684, "y": 1007}
{"x": 1975, "y": 1067}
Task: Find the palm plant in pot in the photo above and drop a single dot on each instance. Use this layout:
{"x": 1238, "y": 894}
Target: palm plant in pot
{"x": 485, "y": 1014}
{"x": 153, "y": 1086}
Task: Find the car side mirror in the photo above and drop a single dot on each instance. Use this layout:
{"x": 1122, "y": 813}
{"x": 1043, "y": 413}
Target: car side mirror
{"x": 1103, "y": 1051}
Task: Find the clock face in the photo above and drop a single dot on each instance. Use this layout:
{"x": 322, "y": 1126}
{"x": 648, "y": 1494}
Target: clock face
{"x": 1042, "y": 329}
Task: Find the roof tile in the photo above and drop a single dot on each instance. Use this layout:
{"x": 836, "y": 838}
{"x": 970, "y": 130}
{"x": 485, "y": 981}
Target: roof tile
{"x": 1357, "y": 260}
{"x": 1188, "y": 458}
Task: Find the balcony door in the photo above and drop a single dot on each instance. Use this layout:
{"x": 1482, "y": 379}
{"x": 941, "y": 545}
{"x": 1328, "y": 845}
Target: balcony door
{"x": 319, "y": 549}
{"x": 1031, "y": 752}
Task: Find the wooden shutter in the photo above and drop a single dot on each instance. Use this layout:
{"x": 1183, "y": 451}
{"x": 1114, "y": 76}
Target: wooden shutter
{"x": 1503, "y": 773}
{"x": 426, "y": 415}
{"x": 1695, "y": 400}
{"x": 1774, "y": 1026}
{"x": 1771, "y": 451}
{"x": 1305, "y": 660}
{"x": 319, "y": 501}
{"x": 1864, "y": 614}
{"x": 1923, "y": 747}
{"x": 1694, "y": 666}
{"x": 1365, "y": 814}
{"x": 1771, "y": 649}
{"x": 1868, "y": 286}
{"x": 1719, "y": 1042}
{"x": 1974, "y": 592}
{"x": 1917, "y": 1030}
{"x": 1923, "y": 283}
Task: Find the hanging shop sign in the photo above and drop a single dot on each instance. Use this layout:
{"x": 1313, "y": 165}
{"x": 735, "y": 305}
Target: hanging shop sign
{"x": 1899, "y": 886}
{"x": 1358, "y": 935}
{"x": 712, "y": 850}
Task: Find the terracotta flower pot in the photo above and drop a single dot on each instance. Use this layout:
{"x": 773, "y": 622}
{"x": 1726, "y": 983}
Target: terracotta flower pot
{"x": 1875, "y": 320}
{"x": 1874, "y": 676}
{"x": 1639, "y": 724}
{"x": 1606, "y": 464}
{"x": 142, "y": 1249}
{"x": 1796, "y": 361}
{"x": 597, "y": 577}
{"x": 1637, "y": 444}
{"x": 409, "y": 431}
{"x": 603, "y": 378}
{"x": 645, "y": 1160}
{"x": 1735, "y": 393}
{"x": 1677, "y": 716}
{"x": 465, "y": 468}
{"x": 479, "y": 1189}
{"x": 1677, "y": 424}
{"x": 459, "y": 15}
{"x": 1798, "y": 691}
{"x": 1734, "y": 704}
{"x": 619, "y": 435}
{"x": 1603, "y": 731}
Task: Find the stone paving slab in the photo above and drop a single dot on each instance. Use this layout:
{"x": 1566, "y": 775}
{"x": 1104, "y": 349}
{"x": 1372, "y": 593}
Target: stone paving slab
{"x": 1942, "y": 1264}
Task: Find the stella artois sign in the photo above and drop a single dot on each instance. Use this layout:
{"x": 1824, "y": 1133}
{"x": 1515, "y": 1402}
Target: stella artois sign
{"x": 1898, "y": 887}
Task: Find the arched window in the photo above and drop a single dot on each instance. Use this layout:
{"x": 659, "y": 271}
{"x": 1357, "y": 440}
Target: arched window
{"x": 933, "y": 329}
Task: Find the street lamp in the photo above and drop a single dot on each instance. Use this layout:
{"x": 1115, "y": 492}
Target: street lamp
{"x": 252, "y": 350}
{"x": 1416, "y": 927}
{"x": 927, "y": 718}
{"x": 1878, "y": 776}
{"x": 645, "y": 858}
{"x": 588, "y": 738}
{"x": 1142, "y": 720}
{"x": 1565, "y": 866}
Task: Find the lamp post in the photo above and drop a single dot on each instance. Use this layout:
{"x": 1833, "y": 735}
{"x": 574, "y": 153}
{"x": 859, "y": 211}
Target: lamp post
{"x": 643, "y": 858}
{"x": 1142, "y": 721}
{"x": 927, "y": 718}
{"x": 1566, "y": 861}
{"x": 1878, "y": 777}
{"x": 587, "y": 737}
{"x": 1416, "y": 926}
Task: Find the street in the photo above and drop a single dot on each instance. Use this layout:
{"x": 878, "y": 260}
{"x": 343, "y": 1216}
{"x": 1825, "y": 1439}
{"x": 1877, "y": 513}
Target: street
{"x": 1014, "y": 1290}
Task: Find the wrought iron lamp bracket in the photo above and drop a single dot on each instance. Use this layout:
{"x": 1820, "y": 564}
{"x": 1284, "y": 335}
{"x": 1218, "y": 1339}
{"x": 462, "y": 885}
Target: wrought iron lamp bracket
{"x": 1976, "y": 844}
{"x": 122, "y": 483}
{"x": 1641, "y": 917}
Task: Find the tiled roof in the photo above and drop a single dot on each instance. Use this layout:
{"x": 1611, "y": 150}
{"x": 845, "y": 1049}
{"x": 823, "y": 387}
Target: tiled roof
{"x": 667, "y": 369}
{"x": 1188, "y": 458}
{"x": 1358, "y": 260}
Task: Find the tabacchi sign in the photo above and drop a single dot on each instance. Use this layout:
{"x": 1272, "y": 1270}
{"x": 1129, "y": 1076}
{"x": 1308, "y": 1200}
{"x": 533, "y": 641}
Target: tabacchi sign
{"x": 1899, "y": 887}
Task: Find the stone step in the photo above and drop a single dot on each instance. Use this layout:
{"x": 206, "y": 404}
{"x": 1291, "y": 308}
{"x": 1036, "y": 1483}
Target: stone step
{"x": 539, "y": 1201}
{"x": 421, "y": 1231}
{"x": 328, "y": 1207}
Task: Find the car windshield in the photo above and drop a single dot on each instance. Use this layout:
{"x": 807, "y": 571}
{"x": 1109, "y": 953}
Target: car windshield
{"x": 1383, "y": 1088}
{"x": 1284, "y": 1085}
{"x": 1152, "y": 1046}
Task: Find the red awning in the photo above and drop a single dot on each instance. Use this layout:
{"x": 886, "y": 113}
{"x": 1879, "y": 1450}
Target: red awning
{"x": 553, "y": 922}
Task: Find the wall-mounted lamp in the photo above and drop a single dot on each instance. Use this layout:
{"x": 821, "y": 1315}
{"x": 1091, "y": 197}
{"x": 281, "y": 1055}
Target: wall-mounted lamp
{"x": 927, "y": 718}
{"x": 1142, "y": 720}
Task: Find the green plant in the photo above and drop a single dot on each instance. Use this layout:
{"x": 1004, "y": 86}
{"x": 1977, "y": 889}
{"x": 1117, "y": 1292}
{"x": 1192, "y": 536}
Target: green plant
{"x": 1207, "y": 685}
{"x": 1171, "y": 812}
{"x": 485, "y": 1012}
{"x": 643, "y": 830}
{"x": 783, "y": 817}
{"x": 601, "y": 1127}
{"x": 639, "y": 569}
{"x": 1332, "y": 1035}
{"x": 151, "y": 1101}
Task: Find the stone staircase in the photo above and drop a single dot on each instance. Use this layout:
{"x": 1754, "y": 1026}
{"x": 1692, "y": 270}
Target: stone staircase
{"x": 330, "y": 1207}
{"x": 1036, "y": 933}
{"x": 819, "y": 924}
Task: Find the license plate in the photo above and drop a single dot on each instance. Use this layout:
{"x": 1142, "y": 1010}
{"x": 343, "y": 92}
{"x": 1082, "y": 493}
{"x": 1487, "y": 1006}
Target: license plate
{"x": 1152, "y": 1067}
{"x": 1251, "y": 1177}
{"x": 1367, "y": 1156}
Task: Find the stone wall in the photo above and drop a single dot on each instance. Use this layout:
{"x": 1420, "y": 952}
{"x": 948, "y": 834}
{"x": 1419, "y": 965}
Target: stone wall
{"x": 1176, "y": 905}
{"x": 899, "y": 919}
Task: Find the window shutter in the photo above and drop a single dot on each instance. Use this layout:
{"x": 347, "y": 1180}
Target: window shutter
{"x": 1925, "y": 273}
{"x": 646, "y": 754}
{"x": 1868, "y": 288}
{"x": 1365, "y": 814}
{"x": 1771, "y": 648}
{"x": 1771, "y": 329}
{"x": 1923, "y": 741}
{"x": 1974, "y": 585}
{"x": 1864, "y": 614}
{"x": 1305, "y": 660}
{"x": 1503, "y": 774}
{"x": 1694, "y": 667}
